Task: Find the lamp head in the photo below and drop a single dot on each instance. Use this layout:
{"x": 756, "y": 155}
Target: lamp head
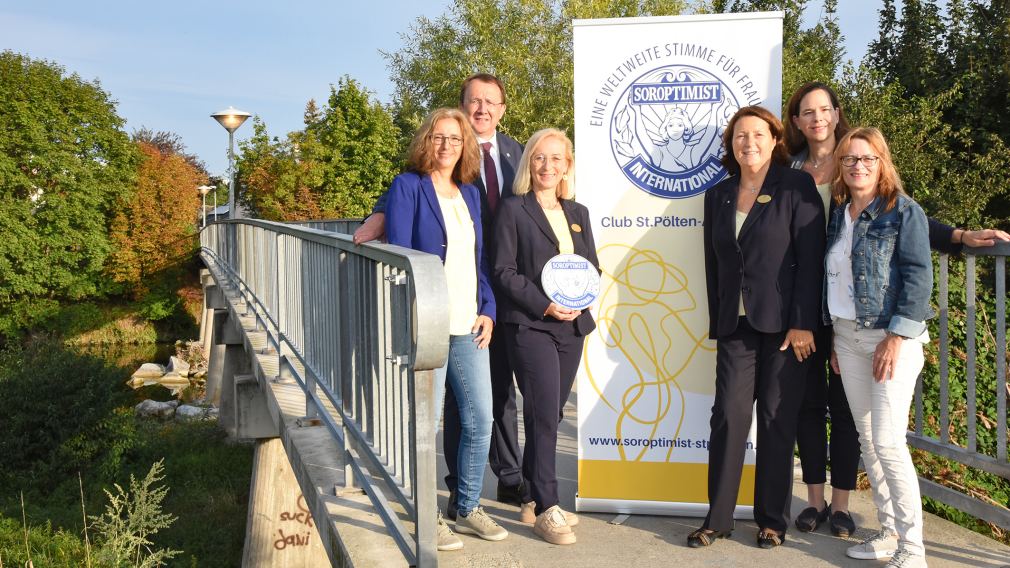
{"x": 204, "y": 189}
{"x": 230, "y": 118}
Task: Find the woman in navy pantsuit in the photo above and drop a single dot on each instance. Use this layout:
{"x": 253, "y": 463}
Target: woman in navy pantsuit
{"x": 764, "y": 246}
{"x": 544, "y": 339}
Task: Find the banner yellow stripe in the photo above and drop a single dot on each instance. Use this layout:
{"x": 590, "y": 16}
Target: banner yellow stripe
{"x": 653, "y": 481}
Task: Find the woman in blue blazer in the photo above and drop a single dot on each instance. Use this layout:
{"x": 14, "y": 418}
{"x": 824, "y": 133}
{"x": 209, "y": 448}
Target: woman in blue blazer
{"x": 544, "y": 339}
{"x": 433, "y": 208}
{"x": 764, "y": 247}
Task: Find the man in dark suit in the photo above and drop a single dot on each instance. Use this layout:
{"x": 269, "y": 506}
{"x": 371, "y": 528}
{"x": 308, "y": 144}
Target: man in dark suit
{"x": 482, "y": 100}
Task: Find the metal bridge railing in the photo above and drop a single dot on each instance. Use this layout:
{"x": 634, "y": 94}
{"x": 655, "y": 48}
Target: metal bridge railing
{"x": 968, "y": 452}
{"x": 360, "y": 328}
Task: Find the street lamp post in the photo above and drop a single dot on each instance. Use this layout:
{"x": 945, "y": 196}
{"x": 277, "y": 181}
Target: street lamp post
{"x": 231, "y": 119}
{"x": 203, "y": 189}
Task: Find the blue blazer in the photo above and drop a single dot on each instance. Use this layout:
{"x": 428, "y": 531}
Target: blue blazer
{"x": 414, "y": 220}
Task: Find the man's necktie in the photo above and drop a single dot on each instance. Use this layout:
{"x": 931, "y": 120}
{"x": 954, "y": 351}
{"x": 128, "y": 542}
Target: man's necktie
{"x": 490, "y": 178}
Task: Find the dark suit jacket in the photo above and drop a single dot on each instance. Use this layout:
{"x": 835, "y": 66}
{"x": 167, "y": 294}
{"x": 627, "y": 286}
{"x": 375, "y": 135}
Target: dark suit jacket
{"x": 777, "y": 262}
{"x": 414, "y": 220}
{"x": 524, "y": 242}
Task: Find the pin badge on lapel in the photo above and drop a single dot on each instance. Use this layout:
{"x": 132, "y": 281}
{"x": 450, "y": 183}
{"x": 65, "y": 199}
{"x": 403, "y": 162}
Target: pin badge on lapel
{"x": 764, "y": 198}
{"x": 576, "y": 227}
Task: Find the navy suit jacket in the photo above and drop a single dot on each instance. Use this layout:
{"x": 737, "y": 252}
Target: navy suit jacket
{"x": 524, "y": 242}
{"x": 414, "y": 220}
{"x": 777, "y": 263}
{"x": 509, "y": 153}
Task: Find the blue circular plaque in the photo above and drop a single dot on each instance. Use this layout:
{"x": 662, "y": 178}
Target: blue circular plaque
{"x": 571, "y": 281}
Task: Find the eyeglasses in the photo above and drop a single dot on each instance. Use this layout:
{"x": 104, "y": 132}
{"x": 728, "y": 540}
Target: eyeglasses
{"x": 477, "y": 103}
{"x": 541, "y": 159}
{"x": 438, "y": 139}
{"x": 868, "y": 161}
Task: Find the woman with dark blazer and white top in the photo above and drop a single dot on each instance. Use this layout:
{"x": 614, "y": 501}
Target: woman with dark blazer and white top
{"x": 544, "y": 339}
{"x": 764, "y": 247}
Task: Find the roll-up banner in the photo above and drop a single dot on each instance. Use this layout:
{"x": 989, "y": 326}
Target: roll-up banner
{"x": 652, "y": 100}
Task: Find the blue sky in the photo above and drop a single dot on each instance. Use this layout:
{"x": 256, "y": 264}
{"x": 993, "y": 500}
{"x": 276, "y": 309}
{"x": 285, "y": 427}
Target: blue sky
{"x": 171, "y": 64}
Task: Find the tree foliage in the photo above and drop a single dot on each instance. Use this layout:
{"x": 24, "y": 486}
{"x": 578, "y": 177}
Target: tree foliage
{"x": 337, "y": 166}
{"x": 154, "y": 229}
{"x": 65, "y": 164}
{"x": 528, "y": 45}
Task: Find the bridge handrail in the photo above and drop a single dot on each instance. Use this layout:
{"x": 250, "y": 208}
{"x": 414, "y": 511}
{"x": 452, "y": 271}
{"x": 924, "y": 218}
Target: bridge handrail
{"x": 969, "y": 454}
{"x": 360, "y": 328}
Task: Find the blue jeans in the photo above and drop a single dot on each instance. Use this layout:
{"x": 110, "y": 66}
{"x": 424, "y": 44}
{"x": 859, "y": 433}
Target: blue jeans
{"x": 468, "y": 372}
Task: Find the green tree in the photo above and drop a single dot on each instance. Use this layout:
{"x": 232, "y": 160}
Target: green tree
{"x": 65, "y": 164}
{"x": 526, "y": 44}
{"x": 345, "y": 157}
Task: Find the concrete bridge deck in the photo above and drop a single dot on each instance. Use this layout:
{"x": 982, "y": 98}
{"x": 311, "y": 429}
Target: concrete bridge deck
{"x": 351, "y": 528}
{"x": 638, "y": 541}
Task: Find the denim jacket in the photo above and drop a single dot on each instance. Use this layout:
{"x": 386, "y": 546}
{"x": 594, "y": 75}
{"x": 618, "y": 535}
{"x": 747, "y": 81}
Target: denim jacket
{"x": 892, "y": 271}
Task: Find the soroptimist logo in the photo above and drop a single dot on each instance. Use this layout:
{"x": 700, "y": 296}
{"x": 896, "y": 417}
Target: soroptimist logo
{"x": 666, "y": 131}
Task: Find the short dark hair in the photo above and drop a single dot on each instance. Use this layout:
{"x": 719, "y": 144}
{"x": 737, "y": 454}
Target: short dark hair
{"x": 795, "y": 140}
{"x": 779, "y": 155}
{"x": 484, "y": 77}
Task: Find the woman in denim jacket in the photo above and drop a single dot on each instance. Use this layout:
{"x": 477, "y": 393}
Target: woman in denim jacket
{"x": 877, "y": 283}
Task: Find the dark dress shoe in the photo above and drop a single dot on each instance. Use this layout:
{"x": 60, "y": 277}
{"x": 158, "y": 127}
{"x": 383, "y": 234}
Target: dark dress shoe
{"x": 705, "y": 537}
{"x": 450, "y": 509}
{"x": 842, "y": 524}
{"x": 510, "y": 494}
{"x": 810, "y": 518}
{"x": 768, "y": 538}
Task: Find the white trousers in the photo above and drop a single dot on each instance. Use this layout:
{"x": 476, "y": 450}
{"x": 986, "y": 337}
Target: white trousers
{"x": 880, "y": 411}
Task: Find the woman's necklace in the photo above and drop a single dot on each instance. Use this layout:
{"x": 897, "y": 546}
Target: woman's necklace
{"x": 548, "y": 207}
{"x": 815, "y": 163}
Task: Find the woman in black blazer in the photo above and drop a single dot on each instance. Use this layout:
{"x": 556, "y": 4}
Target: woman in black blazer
{"x": 764, "y": 251}
{"x": 544, "y": 339}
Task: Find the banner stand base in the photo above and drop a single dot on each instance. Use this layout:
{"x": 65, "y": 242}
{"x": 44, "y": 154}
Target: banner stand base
{"x": 664, "y": 508}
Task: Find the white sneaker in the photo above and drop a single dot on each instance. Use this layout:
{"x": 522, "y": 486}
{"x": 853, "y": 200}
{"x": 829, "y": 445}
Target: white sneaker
{"x": 446, "y": 539}
{"x": 904, "y": 559}
{"x": 528, "y": 515}
{"x": 479, "y": 523}
{"x": 551, "y": 526}
{"x": 880, "y": 545}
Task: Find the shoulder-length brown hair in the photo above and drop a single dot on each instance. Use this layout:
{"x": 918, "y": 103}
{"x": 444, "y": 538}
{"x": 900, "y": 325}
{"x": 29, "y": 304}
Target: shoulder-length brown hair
{"x": 524, "y": 173}
{"x": 889, "y": 185}
{"x": 421, "y": 153}
{"x": 795, "y": 140}
{"x": 779, "y": 155}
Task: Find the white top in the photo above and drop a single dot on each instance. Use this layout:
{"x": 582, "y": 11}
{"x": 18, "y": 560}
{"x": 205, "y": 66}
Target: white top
{"x": 494, "y": 156}
{"x": 740, "y": 218}
{"x": 838, "y": 271}
{"x": 460, "y": 264}
{"x": 824, "y": 190}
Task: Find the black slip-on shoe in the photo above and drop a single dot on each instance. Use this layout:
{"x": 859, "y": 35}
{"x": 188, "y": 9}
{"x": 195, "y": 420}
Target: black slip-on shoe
{"x": 510, "y": 494}
{"x": 810, "y": 518}
{"x": 842, "y": 524}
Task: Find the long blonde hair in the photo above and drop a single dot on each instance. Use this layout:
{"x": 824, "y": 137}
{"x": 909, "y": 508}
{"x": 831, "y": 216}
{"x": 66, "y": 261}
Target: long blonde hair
{"x": 524, "y": 177}
{"x": 421, "y": 153}
{"x": 889, "y": 185}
